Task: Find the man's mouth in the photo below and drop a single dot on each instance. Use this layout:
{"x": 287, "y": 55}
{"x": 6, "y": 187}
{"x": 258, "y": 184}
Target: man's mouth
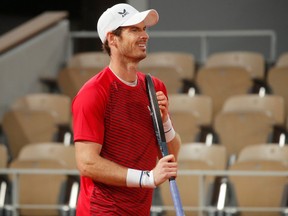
{"x": 142, "y": 45}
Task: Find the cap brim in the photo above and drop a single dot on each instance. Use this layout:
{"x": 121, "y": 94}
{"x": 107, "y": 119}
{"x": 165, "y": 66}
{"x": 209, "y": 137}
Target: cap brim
{"x": 150, "y": 18}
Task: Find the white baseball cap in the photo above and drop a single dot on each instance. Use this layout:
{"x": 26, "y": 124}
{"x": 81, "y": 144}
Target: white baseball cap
{"x": 124, "y": 15}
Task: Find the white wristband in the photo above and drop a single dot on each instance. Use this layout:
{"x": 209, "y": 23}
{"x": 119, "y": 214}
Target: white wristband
{"x": 139, "y": 178}
{"x": 132, "y": 178}
{"x": 147, "y": 179}
{"x": 169, "y": 130}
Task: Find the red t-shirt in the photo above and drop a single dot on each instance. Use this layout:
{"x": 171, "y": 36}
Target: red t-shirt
{"x": 111, "y": 113}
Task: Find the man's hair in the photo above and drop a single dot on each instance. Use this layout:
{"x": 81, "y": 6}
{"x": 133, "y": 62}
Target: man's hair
{"x": 106, "y": 46}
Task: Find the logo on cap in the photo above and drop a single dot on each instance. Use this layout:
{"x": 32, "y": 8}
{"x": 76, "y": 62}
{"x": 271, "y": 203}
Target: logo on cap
{"x": 124, "y": 13}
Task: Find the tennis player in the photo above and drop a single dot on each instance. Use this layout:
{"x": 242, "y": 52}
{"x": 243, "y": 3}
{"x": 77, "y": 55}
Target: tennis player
{"x": 116, "y": 146}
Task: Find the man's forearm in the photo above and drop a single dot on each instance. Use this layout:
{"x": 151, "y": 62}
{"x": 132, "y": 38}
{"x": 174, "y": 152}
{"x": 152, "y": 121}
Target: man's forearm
{"x": 174, "y": 145}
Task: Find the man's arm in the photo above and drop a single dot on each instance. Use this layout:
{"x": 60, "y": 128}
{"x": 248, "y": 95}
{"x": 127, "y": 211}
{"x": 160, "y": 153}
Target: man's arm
{"x": 174, "y": 145}
{"x": 91, "y": 164}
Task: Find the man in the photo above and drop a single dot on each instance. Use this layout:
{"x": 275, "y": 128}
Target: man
{"x": 116, "y": 147}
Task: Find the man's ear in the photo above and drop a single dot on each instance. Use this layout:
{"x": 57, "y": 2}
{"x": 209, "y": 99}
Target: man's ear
{"x": 111, "y": 38}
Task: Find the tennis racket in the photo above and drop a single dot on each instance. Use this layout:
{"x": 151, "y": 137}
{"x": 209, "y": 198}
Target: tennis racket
{"x": 159, "y": 131}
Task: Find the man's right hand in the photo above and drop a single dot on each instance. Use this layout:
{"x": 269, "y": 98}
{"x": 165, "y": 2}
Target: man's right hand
{"x": 166, "y": 168}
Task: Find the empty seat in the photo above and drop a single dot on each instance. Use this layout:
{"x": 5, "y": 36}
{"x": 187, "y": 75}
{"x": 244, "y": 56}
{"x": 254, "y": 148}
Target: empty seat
{"x": 176, "y": 69}
{"x": 40, "y": 189}
{"x": 277, "y": 80}
{"x": 200, "y": 105}
{"x": 86, "y": 61}
{"x": 58, "y": 105}
{"x": 70, "y": 80}
{"x": 239, "y": 129}
{"x": 273, "y": 104}
{"x": 89, "y": 60}
{"x": 222, "y": 83}
{"x": 63, "y": 154}
{"x": 168, "y": 75}
{"x": 49, "y": 150}
{"x": 214, "y": 155}
{"x": 183, "y": 62}
{"x": 186, "y": 125}
{"x": 195, "y": 156}
{"x": 189, "y": 114}
{"x": 282, "y": 60}
{"x": 189, "y": 189}
{"x": 22, "y": 127}
{"x": 253, "y": 62}
{"x": 3, "y": 156}
{"x": 259, "y": 192}
{"x": 262, "y": 152}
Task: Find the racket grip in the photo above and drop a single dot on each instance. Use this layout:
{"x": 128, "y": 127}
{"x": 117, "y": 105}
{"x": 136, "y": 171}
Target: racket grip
{"x": 176, "y": 198}
{"x": 164, "y": 149}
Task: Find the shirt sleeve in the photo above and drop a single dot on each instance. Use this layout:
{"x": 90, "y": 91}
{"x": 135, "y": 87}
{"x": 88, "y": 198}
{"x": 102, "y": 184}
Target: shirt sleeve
{"x": 88, "y": 109}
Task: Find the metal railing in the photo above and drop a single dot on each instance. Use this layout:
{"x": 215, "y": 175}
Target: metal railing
{"x": 202, "y": 174}
{"x": 204, "y": 37}
{"x": 203, "y": 208}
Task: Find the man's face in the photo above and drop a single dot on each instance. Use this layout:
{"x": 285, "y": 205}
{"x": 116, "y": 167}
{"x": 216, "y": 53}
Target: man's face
{"x": 132, "y": 42}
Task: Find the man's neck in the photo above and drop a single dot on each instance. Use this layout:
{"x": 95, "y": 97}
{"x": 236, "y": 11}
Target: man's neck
{"x": 125, "y": 71}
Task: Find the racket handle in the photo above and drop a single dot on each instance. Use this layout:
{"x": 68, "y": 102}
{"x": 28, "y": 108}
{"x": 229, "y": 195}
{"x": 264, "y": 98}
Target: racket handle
{"x": 176, "y": 198}
{"x": 164, "y": 149}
